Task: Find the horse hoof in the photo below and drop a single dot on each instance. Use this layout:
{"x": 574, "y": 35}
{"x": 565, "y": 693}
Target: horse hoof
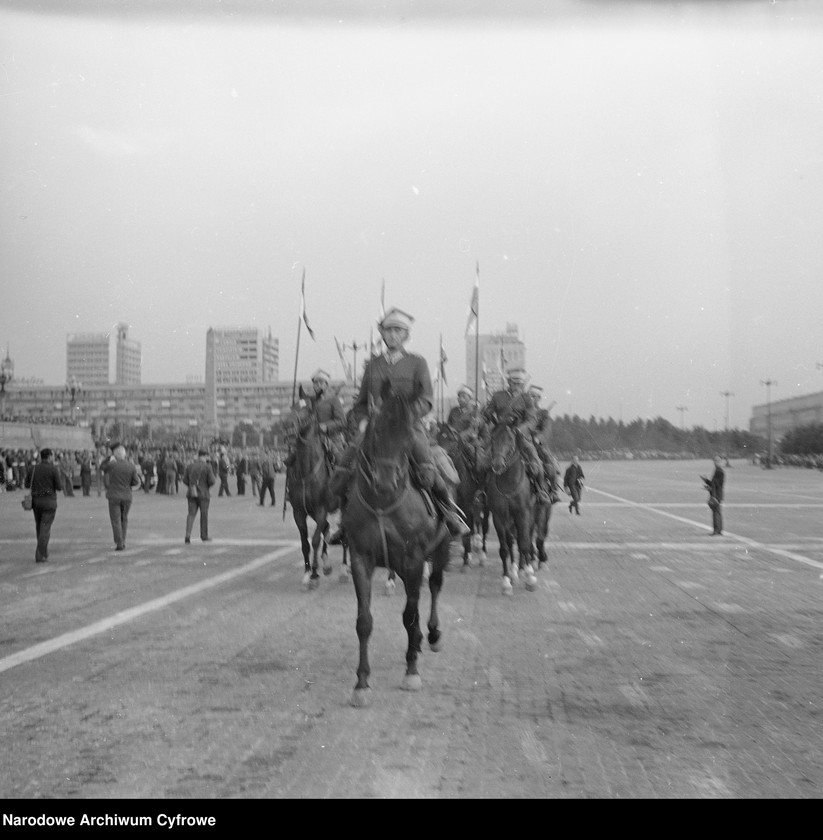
{"x": 344, "y": 576}
{"x": 476, "y": 543}
{"x": 483, "y": 558}
{"x": 465, "y": 567}
{"x": 531, "y": 583}
{"x": 306, "y": 580}
{"x": 388, "y": 589}
{"x": 361, "y": 698}
{"x": 506, "y": 586}
{"x": 436, "y": 646}
{"x": 327, "y": 570}
{"x": 412, "y": 682}
{"x": 314, "y": 583}
{"x": 515, "y": 575}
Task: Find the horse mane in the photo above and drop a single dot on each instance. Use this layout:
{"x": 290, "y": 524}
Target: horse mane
{"x": 393, "y": 418}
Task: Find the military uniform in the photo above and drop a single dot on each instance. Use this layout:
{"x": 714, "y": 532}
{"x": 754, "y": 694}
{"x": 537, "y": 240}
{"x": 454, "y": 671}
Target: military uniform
{"x": 518, "y": 411}
{"x": 409, "y": 375}
{"x": 540, "y": 437}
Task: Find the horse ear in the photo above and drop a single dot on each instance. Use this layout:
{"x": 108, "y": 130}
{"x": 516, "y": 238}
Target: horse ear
{"x": 302, "y": 393}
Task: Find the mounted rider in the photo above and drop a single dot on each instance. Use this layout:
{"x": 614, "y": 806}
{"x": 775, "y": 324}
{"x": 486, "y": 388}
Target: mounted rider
{"x": 331, "y": 420}
{"x": 515, "y": 407}
{"x": 408, "y": 374}
{"x": 540, "y": 438}
{"x": 464, "y": 415}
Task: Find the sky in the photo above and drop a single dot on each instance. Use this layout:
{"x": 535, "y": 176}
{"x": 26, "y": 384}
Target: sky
{"x": 637, "y": 186}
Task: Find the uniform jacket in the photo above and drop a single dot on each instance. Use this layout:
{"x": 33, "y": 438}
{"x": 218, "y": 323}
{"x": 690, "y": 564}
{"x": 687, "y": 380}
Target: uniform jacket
{"x": 515, "y": 409}
{"x": 198, "y": 477}
{"x": 409, "y": 375}
{"x": 45, "y": 483}
{"x": 460, "y": 418}
{"x": 121, "y": 477}
{"x": 329, "y": 410}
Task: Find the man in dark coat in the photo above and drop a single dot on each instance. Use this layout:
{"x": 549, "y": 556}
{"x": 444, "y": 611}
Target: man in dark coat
{"x": 45, "y": 483}
{"x": 408, "y": 374}
{"x": 573, "y": 482}
{"x": 515, "y": 407}
{"x": 715, "y": 487}
{"x": 121, "y": 477}
{"x": 540, "y": 437}
{"x": 198, "y": 478}
{"x": 223, "y": 467}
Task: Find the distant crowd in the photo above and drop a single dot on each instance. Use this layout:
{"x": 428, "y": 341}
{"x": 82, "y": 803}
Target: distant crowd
{"x": 238, "y": 470}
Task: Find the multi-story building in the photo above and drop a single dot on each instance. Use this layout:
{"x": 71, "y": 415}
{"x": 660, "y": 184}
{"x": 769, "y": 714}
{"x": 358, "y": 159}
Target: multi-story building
{"x": 499, "y": 352}
{"x": 782, "y": 416}
{"x": 242, "y": 355}
{"x": 87, "y": 358}
{"x": 129, "y": 358}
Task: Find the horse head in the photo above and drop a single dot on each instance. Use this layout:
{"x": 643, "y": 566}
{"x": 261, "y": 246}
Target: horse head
{"x": 388, "y": 441}
{"x": 301, "y": 424}
{"x": 502, "y": 448}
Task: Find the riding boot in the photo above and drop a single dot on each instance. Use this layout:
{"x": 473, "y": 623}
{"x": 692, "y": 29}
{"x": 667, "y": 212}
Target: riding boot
{"x": 452, "y": 515}
{"x": 539, "y": 481}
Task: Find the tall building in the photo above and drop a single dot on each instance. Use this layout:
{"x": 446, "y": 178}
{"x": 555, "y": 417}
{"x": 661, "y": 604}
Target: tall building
{"x": 241, "y": 356}
{"x": 129, "y": 358}
{"x": 499, "y": 352}
{"x": 87, "y": 358}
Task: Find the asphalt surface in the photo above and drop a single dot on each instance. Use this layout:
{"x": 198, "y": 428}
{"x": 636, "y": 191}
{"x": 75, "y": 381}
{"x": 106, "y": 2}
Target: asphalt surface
{"x": 652, "y": 660}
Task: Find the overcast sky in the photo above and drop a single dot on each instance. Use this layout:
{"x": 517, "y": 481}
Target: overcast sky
{"x": 641, "y": 185}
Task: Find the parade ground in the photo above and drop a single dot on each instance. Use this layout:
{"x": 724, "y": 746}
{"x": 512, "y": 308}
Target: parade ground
{"x": 653, "y": 660}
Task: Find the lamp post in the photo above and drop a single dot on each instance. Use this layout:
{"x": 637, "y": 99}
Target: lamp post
{"x": 727, "y": 395}
{"x": 681, "y": 409}
{"x": 6, "y": 375}
{"x": 73, "y": 387}
{"x": 768, "y": 383}
{"x": 354, "y": 346}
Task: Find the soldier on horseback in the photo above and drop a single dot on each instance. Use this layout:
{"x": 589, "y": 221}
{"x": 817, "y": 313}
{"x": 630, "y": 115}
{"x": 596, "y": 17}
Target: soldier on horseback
{"x": 464, "y": 414}
{"x": 540, "y": 438}
{"x": 331, "y": 419}
{"x": 409, "y": 375}
{"x": 515, "y": 407}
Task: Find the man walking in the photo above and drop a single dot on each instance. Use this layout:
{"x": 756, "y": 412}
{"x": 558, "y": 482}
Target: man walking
{"x": 45, "y": 482}
{"x": 121, "y": 476}
{"x": 223, "y": 467}
{"x": 198, "y": 478}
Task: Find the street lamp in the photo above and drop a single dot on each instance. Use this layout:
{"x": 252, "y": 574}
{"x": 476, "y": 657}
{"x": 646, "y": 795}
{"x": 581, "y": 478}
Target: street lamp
{"x": 681, "y": 409}
{"x": 6, "y": 375}
{"x": 768, "y": 383}
{"x": 73, "y": 387}
{"x": 727, "y": 395}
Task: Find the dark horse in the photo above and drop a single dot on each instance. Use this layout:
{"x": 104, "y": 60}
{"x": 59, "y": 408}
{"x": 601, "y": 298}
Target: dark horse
{"x": 467, "y": 456}
{"x": 309, "y": 493}
{"x": 391, "y": 524}
{"x": 511, "y": 500}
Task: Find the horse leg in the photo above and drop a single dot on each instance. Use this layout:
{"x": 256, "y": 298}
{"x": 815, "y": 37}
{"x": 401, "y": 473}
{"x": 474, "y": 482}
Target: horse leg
{"x": 302, "y": 527}
{"x": 525, "y": 549}
{"x": 505, "y": 547}
{"x": 390, "y": 585}
{"x": 411, "y": 621}
{"x": 317, "y": 536}
{"x": 362, "y": 570}
{"x": 345, "y": 575}
{"x": 440, "y": 557}
{"x": 325, "y": 553}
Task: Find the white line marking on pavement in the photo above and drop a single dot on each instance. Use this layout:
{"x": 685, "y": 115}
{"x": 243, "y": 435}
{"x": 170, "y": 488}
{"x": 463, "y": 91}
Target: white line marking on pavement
{"x": 66, "y": 639}
{"x": 791, "y": 555}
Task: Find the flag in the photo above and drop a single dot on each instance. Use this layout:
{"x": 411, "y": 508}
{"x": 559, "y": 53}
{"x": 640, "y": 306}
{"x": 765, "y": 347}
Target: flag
{"x": 474, "y": 306}
{"x": 443, "y": 360}
{"x": 383, "y": 300}
{"x": 303, "y": 306}
{"x": 347, "y": 369}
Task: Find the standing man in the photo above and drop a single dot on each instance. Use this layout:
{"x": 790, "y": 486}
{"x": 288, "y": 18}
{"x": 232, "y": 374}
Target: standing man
{"x": 121, "y": 476}
{"x": 715, "y": 487}
{"x": 240, "y": 471}
{"x": 85, "y": 472}
{"x": 45, "y": 482}
{"x": 268, "y": 469}
{"x": 198, "y": 478}
{"x": 223, "y": 467}
{"x": 573, "y": 482}
{"x": 515, "y": 407}
{"x": 254, "y": 472}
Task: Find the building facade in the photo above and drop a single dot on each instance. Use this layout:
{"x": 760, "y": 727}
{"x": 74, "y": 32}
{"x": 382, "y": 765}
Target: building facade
{"x": 499, "y": 352}
{"x": 129, "y": 358}
{"x": 242, "y": 356}
{"x": 781, "y": 416}
{"x": 87, "y": 358}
